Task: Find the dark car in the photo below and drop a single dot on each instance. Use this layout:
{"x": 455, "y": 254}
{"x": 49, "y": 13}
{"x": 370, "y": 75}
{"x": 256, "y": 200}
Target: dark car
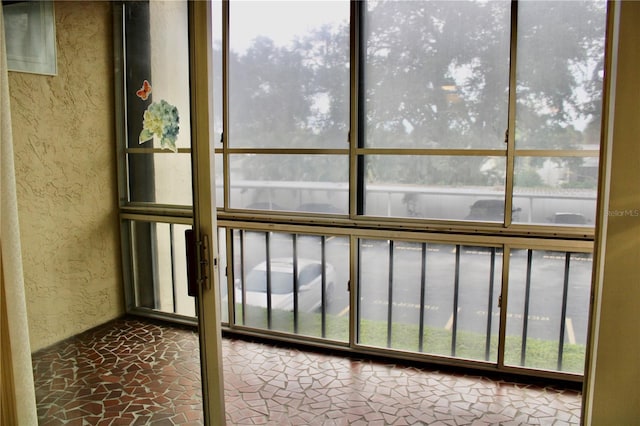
{"x": 490, "y": 210}
{"x": 568, "y": 219}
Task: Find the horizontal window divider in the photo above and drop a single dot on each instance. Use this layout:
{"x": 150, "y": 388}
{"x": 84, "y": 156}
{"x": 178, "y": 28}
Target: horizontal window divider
{"x": 433, "y": 151}
{"x": 446, "y": 236}
{"x": 425, "y": 357}
{"x": 164, "y": 316}
{"x": 543, "y": 374}
{"x": 154, "y": 217}
{"x": 282, "y": 336}
{"x": 288, "y": 151}
{"x": 157, "y": 219}
{"x": 162, "y": 209}
{"x": 466, "y": 363}
{"x": 577, "y": 232}
{"x": 552, "y": 245}
{"x": 458, "y": 228}
{"x": 556, "y": 153}
{"x": 157, "y": 151}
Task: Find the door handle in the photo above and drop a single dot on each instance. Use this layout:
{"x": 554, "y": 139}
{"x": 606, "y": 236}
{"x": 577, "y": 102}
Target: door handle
{"x": 197, "y": 262}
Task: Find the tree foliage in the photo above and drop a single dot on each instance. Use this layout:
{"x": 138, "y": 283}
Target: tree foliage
{"x": 435, "y": 75}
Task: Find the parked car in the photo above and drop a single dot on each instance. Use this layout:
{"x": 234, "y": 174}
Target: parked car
{"x": 492, "y": 210}
{"x": 309, "y": 284}
{"x": 568, "y": 219}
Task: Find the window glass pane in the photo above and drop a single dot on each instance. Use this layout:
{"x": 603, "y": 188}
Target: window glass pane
{"x": 440, "y": 272}
{"x": 249, "y": 249}
{"x": 373, "y": 292}
{"x": 559, "y": 74}
{"x": 310, "y": 250}
{"x": 289, "y": 74}
{"x": 267, "y": 296}
{"x": 157, "y": 101}
{"x": 307, "y": 183}
{"x": 434, "y": 187}
{"x": 555, "y": 190}
{"x": 222, "y": 274}
{"x": 216, "y": 58}
{"x": 478, "y": 314}
{"x": 161, "y": 58}
{"x": 540, "y": 334}
{"x": 436, "y": 73}
{"x": 577, "y": 318}
{"x": 431, "y": 298}
{"x": 160, "y": 271}
{"x": 219, "y": 179}
{"x": 166, "y": 181}
{"x": 281, "y": 280}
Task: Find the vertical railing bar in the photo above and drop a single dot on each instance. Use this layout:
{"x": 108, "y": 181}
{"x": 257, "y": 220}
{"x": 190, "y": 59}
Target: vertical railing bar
{"x": 423, "y": 282}
{"x": 563, "y": 317}
{"x": 355, "y": 298}
{"x": 390, "y": 295}
{"x": 135, "y": 269}
{"x": 323, "y": 257}
{"x": 242, "y": 279}
{"x": 230, "y": 274}
{"x": 492, "y": 272}
{"x": 503, "y": 304}
{"x": 267, "y": 239}
{"x": 172, "y": 254}
{"x": 456, "y": 290}
{"x": 525, "y": 316}
{"x": 294, "y": 241}
{"x": 153, "y": 233}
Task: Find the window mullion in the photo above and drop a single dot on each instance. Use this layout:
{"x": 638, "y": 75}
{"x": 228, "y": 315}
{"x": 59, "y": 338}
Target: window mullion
{"x": 511, "y": 119}
{"x": 356, "y": 139}
{"x": 225, "y": 105}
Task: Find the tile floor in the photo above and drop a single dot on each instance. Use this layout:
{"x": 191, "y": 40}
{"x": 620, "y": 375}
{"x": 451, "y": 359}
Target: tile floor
{"x": 136, "y": 372}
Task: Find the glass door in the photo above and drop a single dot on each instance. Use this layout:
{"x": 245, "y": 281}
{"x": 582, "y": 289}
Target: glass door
{"x": 165, "y": 190}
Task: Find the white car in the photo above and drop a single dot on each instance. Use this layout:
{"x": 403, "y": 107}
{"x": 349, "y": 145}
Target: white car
{"x": 309, "y": 284}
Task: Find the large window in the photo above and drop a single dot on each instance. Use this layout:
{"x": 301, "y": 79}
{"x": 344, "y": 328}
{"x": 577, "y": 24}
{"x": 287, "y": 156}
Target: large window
{"x": 413, "y": 178}
{"x": 463, "y": 111}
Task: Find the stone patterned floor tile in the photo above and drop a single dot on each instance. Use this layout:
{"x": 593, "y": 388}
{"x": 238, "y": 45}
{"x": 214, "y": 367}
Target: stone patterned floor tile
{"x": 137, "y": 372}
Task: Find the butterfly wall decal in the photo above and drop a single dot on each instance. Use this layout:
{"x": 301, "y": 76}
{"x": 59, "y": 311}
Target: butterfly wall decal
{"x": 144, "y": 92}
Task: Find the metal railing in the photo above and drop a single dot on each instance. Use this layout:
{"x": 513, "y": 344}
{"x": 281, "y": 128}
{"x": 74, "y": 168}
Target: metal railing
{"x": 440, "y": 293}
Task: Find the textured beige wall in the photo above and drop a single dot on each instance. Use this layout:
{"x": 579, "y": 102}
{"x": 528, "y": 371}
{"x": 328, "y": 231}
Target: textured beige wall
{"x": 63, "y": 129}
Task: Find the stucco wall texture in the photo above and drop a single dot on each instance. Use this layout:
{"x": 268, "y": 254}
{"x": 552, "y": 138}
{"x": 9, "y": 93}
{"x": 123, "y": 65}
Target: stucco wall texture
{"x": 63, "y": 128}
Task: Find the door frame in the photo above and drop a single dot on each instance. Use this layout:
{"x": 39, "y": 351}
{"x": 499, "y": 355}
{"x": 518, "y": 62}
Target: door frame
{"x": 204, "y": 213}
